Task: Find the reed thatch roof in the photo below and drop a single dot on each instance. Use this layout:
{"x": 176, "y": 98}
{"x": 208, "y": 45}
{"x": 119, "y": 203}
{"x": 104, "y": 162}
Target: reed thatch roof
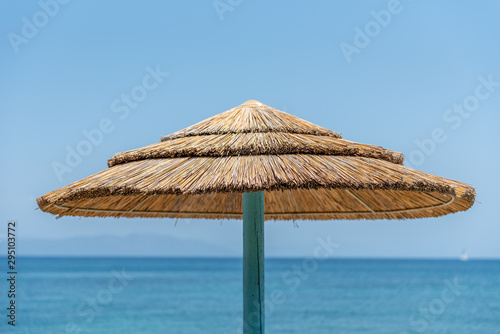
{"x": 306, "y": 171}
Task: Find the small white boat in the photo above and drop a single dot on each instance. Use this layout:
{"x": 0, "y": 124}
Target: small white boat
{"x": 464, "y": 256}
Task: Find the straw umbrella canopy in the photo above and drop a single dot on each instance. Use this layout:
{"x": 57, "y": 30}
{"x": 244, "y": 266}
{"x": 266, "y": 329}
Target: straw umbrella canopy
{"x": 304, "y": 171}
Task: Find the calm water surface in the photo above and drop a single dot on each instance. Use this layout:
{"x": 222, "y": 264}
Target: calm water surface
{"x": 167, "y": 295}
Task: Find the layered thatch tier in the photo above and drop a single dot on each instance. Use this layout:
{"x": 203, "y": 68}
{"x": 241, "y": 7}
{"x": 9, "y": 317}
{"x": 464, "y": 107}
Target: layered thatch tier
{"x": 270, "y": 143}
{"x": 252, "y": 116}
{"x": 306, "y": 172}
{"x": 296, "y": 187}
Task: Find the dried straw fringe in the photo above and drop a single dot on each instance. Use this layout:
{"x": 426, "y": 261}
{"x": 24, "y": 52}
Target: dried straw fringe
{"x": 356, "y": 204}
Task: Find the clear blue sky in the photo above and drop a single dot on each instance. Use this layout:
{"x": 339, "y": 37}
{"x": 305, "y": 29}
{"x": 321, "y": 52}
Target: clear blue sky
{"x": 392, "y": 84}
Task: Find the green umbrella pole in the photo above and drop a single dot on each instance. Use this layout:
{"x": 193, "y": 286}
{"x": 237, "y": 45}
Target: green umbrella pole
{"x": 253, "y": 263}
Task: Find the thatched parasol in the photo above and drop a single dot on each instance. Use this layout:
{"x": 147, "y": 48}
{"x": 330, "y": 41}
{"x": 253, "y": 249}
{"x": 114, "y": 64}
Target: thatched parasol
{"x": 304, "y": 170}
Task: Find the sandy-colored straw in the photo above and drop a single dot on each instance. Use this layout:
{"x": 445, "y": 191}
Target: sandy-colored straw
{"x": 306, "y": 171}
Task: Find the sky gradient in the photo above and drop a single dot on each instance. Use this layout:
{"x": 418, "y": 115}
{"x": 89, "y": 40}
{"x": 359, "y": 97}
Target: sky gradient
{"x": 417, "y": 77}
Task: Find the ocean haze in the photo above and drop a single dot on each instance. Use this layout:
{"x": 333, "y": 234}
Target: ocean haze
{"x": 131, "y": 245}
{"x": 296, "y": 243}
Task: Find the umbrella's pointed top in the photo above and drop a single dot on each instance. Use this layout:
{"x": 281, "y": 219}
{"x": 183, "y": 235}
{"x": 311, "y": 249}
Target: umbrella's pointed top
{"x": 251, "y": 102}
{"x": 254, "y": 128}
{"x": 252, "y": 117}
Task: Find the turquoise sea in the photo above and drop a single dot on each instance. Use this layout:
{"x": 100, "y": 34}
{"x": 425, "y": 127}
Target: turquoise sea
{"x": 204, "y": 295}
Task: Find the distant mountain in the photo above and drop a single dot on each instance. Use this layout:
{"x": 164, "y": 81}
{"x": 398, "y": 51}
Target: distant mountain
{"x": 132, "y": 245}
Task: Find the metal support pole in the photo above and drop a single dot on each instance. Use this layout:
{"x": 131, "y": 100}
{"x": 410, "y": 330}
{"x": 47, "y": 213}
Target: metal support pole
{"x": 253, "y": 263}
